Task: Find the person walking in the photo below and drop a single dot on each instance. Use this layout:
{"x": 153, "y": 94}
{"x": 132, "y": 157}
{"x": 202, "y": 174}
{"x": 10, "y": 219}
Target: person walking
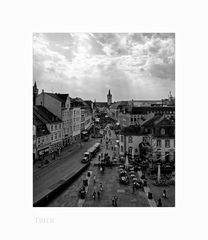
{"x": 98, "y": 195}
{"x": 133, "y": 187}
{"x": 94, "y": 195}
{"x": 113, "y": 201}
{"x": 159, "y": 204}
{"x": 116, "y": 201}
{"x": 94, "y": 179}
{"x": 164, "y": 194}
{"x": 101, "y": 187}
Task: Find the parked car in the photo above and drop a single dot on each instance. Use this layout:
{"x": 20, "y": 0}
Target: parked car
{"x": 85, "y": 160}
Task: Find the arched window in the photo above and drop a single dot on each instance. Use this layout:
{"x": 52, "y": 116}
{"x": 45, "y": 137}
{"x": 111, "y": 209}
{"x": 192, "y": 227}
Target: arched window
{"x": 130, "y": 139}
{"x": 130, "y": 150}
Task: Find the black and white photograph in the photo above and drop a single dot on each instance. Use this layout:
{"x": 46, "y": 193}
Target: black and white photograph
{"x": 103, "y": 115}
{"x": 103, "y": 119}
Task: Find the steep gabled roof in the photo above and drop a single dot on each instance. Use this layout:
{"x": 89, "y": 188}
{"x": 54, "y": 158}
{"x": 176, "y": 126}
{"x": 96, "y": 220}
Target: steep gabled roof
{"x": 150, "y": 122}
{"x": 61, "y": 96}
{"x": 54, "y": 95}
{"x": 45, "y": 115}
{"x": 41, "y": 128}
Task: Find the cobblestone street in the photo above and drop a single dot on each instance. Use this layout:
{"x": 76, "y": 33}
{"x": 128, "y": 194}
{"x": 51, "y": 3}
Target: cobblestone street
{"x": 111, "y": 187}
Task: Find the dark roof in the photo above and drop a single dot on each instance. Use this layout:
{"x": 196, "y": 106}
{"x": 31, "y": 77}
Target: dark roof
{"x": 61, "y": 96}
{"x": 144, "y": 110}
{"x": 134, "y": 130}
{"x": 150, "y": 122}
{"x": 148, "y": 101}
{"x": 78, "y": 102}
{"x": 41, "y": 128}
{"x": 101, "y": 104}
{"x": 54, "y": 95}
{"x": 45, "y": 115}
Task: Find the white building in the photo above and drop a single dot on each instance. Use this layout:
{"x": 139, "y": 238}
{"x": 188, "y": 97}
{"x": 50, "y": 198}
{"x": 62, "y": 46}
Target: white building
{"x": 59, "y": 105}
{"x": 157, "y": 134}
{"x": 76, "y": 124}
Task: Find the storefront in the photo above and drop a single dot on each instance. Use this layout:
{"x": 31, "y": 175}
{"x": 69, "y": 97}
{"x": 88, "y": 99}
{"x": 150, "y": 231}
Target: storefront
{"x": 55, "y": 147}
{"x": 43, "y": 152}
{"x": 66, "y": 140}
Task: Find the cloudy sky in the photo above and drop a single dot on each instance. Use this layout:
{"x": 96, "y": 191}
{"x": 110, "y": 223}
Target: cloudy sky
{"x": 87, "y": 65}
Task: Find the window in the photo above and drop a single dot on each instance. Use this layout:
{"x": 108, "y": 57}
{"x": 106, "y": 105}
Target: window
{"x": 38, "y": 140}
{"x": 51, "y": 127}
{"x": 122, "y": 148}
{"x": 60, "y": 126}
{"x": 51, "y": 137}
{"x": 130, "y": 139}
{"x": 130, "y": 150}
{"x": 55, "y": 127}
{"x": 167, "y": 143}
{"x": 42, "y": 140}
{"x": 158, "y": 143}
{"x": 162, "y": 131}
{"x": 59, "y": 135}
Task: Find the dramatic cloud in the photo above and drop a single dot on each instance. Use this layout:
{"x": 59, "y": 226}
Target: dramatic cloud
{"x": 132, "y": 65}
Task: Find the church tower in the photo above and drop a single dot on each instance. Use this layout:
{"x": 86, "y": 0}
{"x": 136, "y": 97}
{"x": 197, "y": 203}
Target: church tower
{"x": 35, "y": 93}
{"x": 109, "y": 98}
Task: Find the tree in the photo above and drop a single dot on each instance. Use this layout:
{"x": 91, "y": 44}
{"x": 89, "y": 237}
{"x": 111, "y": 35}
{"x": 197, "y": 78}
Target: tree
{"x": 145, "y": 150}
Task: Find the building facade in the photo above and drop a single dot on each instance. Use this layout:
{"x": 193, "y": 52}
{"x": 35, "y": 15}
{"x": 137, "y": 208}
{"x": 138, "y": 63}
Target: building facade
{"x": 54, "y": 129}
{"x": 76, "y": 124}
{"x": 41, "y": 135}
{"x": 156, "y": 135}
{"x": 59, "y": 105}
{"x": 34, "y": 143}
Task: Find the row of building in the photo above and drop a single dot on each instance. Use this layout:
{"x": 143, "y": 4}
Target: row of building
{"x": 147, "y": 127}
{"x": 154, "y": 137}
{"x": 58, "y": 121}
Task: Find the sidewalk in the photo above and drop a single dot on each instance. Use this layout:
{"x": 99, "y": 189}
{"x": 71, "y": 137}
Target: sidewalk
{"x": 65, "y": 151}
{"x": 111, "y": 187}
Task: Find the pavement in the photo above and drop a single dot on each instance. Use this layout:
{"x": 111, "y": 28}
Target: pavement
{"x": 65, "y": 151}
{"x": 111, "y": 187}
{"x": 67, "y": 165}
